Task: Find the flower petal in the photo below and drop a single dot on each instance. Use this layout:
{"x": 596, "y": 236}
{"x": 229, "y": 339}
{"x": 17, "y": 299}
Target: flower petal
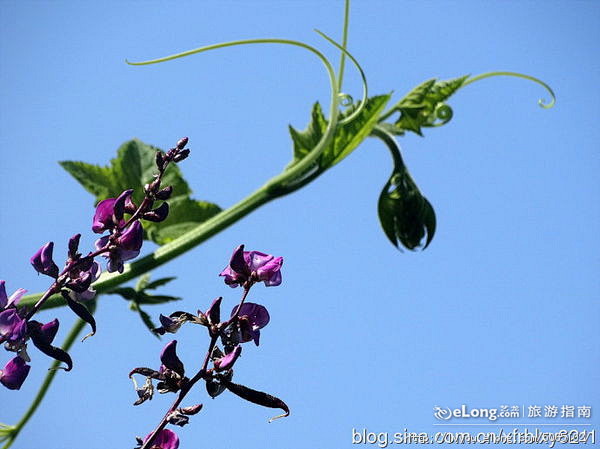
{"x": 14, "y": 373}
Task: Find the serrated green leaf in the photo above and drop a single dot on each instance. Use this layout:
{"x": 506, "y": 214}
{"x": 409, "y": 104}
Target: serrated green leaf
{"x": 144, "y": 298}
{"x": 184, "y": 214}
{"x": 347, "y": 136}
{"x": 134, "y": 167}
{"x": 96, "y": 180}
{"x": 127, "y": 293}
{"x": 159, "y": 282}
{"x": 424, "y": 105}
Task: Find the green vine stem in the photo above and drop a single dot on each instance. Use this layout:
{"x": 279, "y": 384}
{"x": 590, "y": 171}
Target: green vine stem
{"x": 269, "y": 191}
{"x": 39, "y": 397}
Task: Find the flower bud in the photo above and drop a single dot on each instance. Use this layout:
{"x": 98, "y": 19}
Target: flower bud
{"x": 160, "y": 160}
{"x": 165, "y": 193}
{"x": 157, "y": 215}
{"x": 42, "y": 261}
{"x": 14, "y": 373}
{"x": 191, "y": 410}
{"x": 74, "y": 245}
{"x": 169, "y": 359}
{"x": 181, "y": 155}
{"x": 182, "y": 143}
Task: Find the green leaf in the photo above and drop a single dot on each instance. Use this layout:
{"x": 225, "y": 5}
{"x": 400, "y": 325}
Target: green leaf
{"x": 347, "y": 136}
{"x": 159, "y": 283}
{"x": 144, "y": 298}
{"x": 134, "y": 167}
{"x": 424, "y": 105}
{"x": 184, "y": 214}
{"x": 139, "y": 296}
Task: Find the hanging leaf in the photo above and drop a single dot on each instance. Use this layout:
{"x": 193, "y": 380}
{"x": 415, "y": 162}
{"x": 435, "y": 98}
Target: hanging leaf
{"x": 139, "y": 296}
{"x": 406, "y": 216}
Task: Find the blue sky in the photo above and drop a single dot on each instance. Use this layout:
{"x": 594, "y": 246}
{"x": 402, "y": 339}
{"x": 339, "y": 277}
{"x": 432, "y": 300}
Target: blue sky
{"x": 501, "y": 309}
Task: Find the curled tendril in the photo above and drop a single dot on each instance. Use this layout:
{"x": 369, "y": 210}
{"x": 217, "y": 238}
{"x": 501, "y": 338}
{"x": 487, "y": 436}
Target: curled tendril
{"x": 365, "y": 92}
{"x": 541, "y": 102}
{"x": 308, "y": 161}
{"x": 442, "y": 112}
{"x": 345, "y": 100}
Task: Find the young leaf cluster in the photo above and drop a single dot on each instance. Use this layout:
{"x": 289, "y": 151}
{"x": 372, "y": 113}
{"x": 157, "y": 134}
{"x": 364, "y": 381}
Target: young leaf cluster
{"x": 131, "y": 168}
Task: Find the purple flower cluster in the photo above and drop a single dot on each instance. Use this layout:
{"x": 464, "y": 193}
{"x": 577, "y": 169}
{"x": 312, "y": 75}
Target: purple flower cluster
{"x": 242, "y": 325}
{"x": 74, "y": 282}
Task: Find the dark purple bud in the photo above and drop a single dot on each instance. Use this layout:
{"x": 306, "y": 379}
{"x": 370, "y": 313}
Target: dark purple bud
{"x": 104, "y": 216}
{"x": 165, "y": 439}
{"x": 229, "y": 360}
{"x": 169, "y": 359}
{"x": 119, "y": 206}
{"x": 74, "y": 246}
{"x": 182, "y": 143}
{"x": 191, "y": 410}
{"x": 153, "y": 186}
{"x": 237, "y": 272}
{"x": 181, "y": 155}
{"x": 50, "y": 329}
{"x": 164, "y": 194}
{"x": 160, "y": 160}
{"x": 14, "y": 373}
{"x": 130, "y": 206}
{"x": 12, "y": 327}
{"x": 42, "y": 261}
{"x": 214, "y": 311}
{"x": 13, "y": 300}
{"x": 157, "y": 215}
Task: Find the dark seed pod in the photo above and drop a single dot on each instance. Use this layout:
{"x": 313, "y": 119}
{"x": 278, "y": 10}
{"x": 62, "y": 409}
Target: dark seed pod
{"x": 258, "y": 397}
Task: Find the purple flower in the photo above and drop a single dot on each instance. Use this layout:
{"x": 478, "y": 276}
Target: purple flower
{"x": 14, "y": 373}
{"x": 109, "y": 213}
{"x": 13, "y": 300}
{"x": 252, "y": 266}
{"x": 165, "y": 439}
{"x": 81, "y": 280}
{"x": 13, "y": 328}
{"x": 42, "y": 261}
{"x": 169, "y": 359}
{"x": 226, "y": 362}
{"x": 252, "y": 318}
{"x": 214, "y": 311}
{"x": 127, "y": 246}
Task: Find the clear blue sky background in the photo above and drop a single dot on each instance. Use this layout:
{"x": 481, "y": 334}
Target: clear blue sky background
{"x": 501, "y": 309}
